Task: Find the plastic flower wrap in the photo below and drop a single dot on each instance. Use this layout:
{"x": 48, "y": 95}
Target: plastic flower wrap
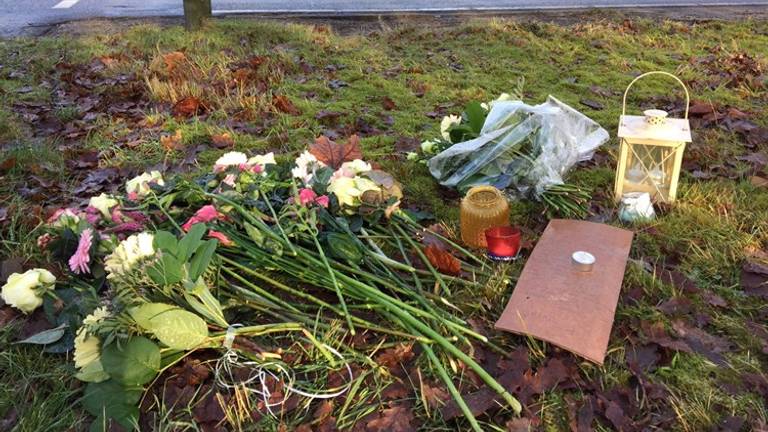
{"x": 128, "y": 253}
{"x": 88, "y": 349}
{"x": 25, "y": 291}
{"x": 139, "y": 186}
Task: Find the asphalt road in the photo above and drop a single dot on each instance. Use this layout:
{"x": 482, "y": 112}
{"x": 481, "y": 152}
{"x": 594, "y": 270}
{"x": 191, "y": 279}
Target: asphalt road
{"x": 16, "y": 16}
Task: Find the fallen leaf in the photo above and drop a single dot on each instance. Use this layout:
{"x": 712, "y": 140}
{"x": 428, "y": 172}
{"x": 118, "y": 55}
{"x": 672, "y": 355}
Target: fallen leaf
{"x": 172, "y": 142}
{"x": 395, "y": 419}
{"x": 595, "y": 105}
{"x": 172, "y": 60}
{"x": 283, "y": 104}
{"x": 442, "y": 260}
{"x": 188, "y": 107}
{"x": 758, "y": 181}
{"x": 222, "y": 140}
{"x": 434, "y": 396}
{"x": 392, "y": 357}
{"x": 388, "y": 104}
{"x": 521, "y": 424}
{"x": 334, "y": 154}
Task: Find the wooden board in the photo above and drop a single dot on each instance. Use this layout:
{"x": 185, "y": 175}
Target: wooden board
{"x": 554, "y": 302}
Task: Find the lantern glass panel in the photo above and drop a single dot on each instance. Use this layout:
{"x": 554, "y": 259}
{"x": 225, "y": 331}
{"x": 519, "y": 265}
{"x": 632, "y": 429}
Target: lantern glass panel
{"x": 649, "y": 168}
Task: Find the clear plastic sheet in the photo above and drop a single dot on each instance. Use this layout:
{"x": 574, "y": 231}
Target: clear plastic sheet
{"x": 522, "y": 147}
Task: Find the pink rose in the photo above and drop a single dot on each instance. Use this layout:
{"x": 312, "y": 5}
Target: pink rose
{"x": 206, "y": 214}
{"x": 221, "y": 237}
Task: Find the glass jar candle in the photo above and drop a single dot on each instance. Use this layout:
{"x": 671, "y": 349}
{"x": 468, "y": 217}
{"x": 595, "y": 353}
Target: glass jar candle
{"x": 483, "y": 207}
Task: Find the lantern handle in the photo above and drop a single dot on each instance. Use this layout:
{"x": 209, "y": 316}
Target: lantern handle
{"x": 687, "y": 96}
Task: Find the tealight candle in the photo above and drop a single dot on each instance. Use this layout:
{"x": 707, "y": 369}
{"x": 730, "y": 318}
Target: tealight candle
{"x": 503, "y": 242}
{"x": 583, "y": 261}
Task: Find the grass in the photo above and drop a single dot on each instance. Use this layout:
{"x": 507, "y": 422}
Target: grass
{"x": 715, "y": 224}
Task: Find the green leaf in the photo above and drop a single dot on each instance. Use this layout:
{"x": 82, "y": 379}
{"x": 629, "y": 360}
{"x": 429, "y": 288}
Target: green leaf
{"x": 254, "y": 233}
{"x": 179, "y": 329}
{"x": 191, "y": 241}
{"x": 167, "y": 242}
{"x": 344, "y": 247}
{"x": 202, "y": 258}
{"x": 143, "y": 314}
{"x": 46, "y": 337}
{"x": 166, "y": 271}
{"x": 475, "y": 116}
{"x": 109, "y": 399}
{"x": 135, "y": 364}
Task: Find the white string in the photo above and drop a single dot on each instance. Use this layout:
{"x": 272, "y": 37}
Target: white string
{"x": 259, "y": 373}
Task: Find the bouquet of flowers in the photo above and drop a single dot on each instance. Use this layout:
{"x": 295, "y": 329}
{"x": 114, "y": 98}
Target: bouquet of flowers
{"x": 511, "y": 145}
{"x": 170, "y": 266}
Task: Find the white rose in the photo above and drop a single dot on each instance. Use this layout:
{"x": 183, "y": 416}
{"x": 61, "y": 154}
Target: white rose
{"x": 263, "y": 160}
{"x": 446, "y": 124}
{"x": 24, "y": 290}
{"x": 103, "y": 203}
{"x": 230, "y": 159}
{"x": 428, "y": 147}
{"x": 348, "y": 190}
{"x": 357, "y": 166}
{"x": 140, "y": 184}
{"x": 88, "y": 349}
{"x": 345, "y": 191}
{"x": 128, "y": 253}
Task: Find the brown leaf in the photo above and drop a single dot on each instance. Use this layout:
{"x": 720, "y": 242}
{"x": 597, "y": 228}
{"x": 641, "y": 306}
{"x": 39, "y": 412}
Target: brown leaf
{"x": 757, "y": 181}
{"x": 172, "y": 142}
{"x": 391, "y": 357}
{"x": 396, "y": 390}
{"x": 433, "y": 396}
{"x": 222, "y": 140}
{"x": 395, "y": 419}
{"x": 188, "y": 107}
{"x": 334, "y": 154}
{"x": 283, "y": 104}
{"x": 442, "y": 260}
{"x": 520, "y": 424}
{"x": 7, "y": 164}
{"x": 172, "y": 60}
{"x": 388, "y": 104}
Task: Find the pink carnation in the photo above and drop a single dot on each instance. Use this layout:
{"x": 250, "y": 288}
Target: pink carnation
{"x": 307, "y": 196}
{"x": 322, "y": 201}
{"x": 221, "y": 237}
{"x": 206, "y": 214}
{"x": 92, "y": 215}
{"x": 78, "y": 263}
{"x": 257, "y": 169}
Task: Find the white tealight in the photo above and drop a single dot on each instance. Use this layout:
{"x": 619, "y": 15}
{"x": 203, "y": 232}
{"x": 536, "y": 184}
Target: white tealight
{"x": 583, "y": 261}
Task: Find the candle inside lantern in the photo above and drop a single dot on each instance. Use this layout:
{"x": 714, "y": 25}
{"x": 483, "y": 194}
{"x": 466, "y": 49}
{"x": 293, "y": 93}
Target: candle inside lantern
{"x": 503, "y": 242}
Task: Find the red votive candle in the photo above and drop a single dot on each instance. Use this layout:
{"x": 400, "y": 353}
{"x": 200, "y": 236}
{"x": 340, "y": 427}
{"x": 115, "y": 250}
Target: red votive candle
{"x": 503, "y": 241}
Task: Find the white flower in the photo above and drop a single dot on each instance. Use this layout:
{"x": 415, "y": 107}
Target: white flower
{"x": 128, "y": 253}
{"x": 88, "y": 349}
{"x": 263, "y": 160}
{"x": 139, "y": 185}
{"x": 446, "y": 124}
{"x": 412, "y": 156}
{"x": 103, "y": 203}
{"x": 229, "y": 159}
{"x": 348, "y": 190}
{"x": 305, "y": 167}
{"x": 428, "y": 147}
{"x": 24, "y": 290}
{"x": 356, "y": 167}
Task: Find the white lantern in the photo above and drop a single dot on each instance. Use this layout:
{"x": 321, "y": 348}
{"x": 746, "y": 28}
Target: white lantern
{"x": 651, "y": 149}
